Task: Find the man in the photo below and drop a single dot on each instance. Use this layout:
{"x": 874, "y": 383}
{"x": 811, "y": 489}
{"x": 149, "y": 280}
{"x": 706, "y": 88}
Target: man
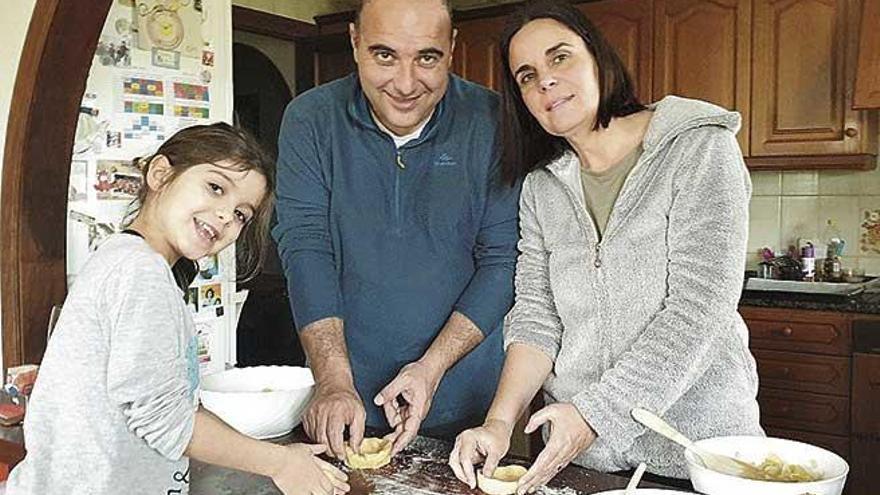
{"x": 397, "y": 237}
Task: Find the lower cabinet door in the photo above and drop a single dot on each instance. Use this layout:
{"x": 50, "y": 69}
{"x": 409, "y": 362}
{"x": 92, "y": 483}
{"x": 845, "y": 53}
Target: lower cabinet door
{"x": 804, "y": 411}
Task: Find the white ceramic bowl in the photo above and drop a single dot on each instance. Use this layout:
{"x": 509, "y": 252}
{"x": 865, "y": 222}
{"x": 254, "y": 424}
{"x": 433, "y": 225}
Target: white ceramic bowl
{"x": 259, "y": 401}
{"x": 755, "y": 450}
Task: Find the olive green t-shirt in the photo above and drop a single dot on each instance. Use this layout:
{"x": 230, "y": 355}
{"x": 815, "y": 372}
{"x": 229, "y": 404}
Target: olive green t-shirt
{"x": 601, "y": 189}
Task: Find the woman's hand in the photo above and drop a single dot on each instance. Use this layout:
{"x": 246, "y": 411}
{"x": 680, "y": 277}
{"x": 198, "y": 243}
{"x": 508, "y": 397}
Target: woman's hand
{"x": 488, "y": 442}
{"x": 570, "y": 434}
{"x": 301, "y": 472}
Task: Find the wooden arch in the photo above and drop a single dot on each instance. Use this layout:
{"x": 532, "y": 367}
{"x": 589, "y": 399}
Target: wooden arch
{"x": 51, "y": 79}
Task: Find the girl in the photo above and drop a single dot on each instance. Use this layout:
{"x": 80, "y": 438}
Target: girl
{"x": 633, "y": 222}
{"x": 115, "y": 407}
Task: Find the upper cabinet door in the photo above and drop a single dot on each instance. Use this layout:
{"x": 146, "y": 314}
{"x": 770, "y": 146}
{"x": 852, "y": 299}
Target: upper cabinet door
{"x": 804, "y": 57}
{"x": 627, "y": 26}
{"x": 702, "y": 50}
{"x": 477, "y": 56}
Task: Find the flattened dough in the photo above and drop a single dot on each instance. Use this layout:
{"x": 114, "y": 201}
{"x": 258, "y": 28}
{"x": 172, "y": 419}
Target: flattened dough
{"x": 503, "y": 480}
{"x": 375, "y": 453}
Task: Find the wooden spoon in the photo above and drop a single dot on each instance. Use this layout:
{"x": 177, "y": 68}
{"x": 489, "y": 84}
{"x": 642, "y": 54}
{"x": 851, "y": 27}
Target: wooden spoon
{"x": 634, "y": 481}
{"x": 713, "y": 461}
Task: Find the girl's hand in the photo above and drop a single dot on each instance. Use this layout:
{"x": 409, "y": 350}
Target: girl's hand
{"x": 490, "y": 442}
{"x": 303, "y": 473}
{"x": 570, "y": 434}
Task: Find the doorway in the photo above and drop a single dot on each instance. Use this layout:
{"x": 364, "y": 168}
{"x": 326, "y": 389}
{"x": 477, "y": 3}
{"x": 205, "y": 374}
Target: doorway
{"x": 266, "y": 333}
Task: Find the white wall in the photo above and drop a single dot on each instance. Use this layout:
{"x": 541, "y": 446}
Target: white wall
{"x": 301, "y": 10}
{"x": 13, "y": 28}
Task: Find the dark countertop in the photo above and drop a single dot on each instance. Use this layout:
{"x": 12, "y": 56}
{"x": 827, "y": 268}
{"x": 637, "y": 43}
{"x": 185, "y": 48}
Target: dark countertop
{"x": 421, "y": 469}
{"x": 864, "y": 303}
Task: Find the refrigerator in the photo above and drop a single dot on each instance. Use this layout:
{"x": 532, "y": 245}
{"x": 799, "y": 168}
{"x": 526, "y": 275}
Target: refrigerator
{"x": 160, "y": 66}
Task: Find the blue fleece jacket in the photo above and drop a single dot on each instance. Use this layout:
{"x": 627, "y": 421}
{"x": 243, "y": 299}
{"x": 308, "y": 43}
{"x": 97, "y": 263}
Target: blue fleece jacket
{"x": 394, "y": 240}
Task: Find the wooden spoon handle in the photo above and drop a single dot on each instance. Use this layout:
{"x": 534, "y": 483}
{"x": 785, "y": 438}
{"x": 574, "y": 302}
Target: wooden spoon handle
{"x": 654, "y": 422}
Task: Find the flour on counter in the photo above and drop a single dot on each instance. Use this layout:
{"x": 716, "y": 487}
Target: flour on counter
{"x": 546, "y": 490}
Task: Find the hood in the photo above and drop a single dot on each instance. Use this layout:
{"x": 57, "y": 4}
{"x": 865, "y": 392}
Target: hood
{"x": 674, "y": 115}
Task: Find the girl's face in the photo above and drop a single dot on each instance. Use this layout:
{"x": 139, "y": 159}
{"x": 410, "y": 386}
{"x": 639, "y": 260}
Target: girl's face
{"x": 557, "y": 76}
{"x": 203, "y": 209}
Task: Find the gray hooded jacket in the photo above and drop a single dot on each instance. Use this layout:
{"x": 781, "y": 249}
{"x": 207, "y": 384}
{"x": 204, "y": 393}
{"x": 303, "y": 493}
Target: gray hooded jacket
{"x": 648, "y": 316}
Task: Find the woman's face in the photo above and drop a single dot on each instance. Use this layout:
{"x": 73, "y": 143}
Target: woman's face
{"x": 556, "y": 75}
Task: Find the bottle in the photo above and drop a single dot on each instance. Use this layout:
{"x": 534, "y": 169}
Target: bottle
{"x": 808, "y": 262}
{"x": 831, "y": 266}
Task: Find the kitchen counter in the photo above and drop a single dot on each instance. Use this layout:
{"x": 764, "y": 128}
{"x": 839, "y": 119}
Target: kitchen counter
{"x": 421, "y": 469}
{"x": 864, "y": 303}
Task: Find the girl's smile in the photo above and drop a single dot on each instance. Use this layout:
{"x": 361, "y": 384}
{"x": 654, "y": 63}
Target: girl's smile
{"x": 200, "y": 210}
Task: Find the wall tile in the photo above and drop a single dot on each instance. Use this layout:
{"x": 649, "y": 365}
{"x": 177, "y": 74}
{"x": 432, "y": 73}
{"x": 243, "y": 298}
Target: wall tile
{"x": 850, "y": 261}
{"x": 800, "y": 219}
{"x": 843, "y": 213}
{"x": 766, "y": 183}
{"x": 800, "y": 183}
{"x": 869, "y": 182}
{"x": 870, "y": 265}
{"x": 764, "y": 223}
{"x": 837, "y": 183}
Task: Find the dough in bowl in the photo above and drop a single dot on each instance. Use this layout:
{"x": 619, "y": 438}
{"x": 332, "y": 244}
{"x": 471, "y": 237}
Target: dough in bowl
{"x": 375, "y": 453}
{"x": 503, "y": 480}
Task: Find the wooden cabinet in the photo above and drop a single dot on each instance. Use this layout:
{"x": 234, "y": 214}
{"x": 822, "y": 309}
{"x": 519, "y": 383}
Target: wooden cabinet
{"x": 702, "y": 50}
{"x": 865, "y": 448}
{"x": 804, "y": 368}
{"x": 477, "y": 55}
{"x": 804, "y": 372}
{"x": 804, "y": 56}
{"x": 627, "y": 26}
{"x": 797, "y": 331}
{"x": 819, "y": 378}
{"x": 867, "y": 91}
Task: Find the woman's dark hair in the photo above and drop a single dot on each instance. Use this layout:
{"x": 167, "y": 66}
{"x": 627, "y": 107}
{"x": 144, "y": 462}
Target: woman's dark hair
{"x": 215, "y": 143}
{"x": 525, "y": 145}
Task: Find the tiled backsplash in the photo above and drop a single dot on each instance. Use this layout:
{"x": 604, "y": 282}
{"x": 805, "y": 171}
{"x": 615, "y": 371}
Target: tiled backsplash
{"x": 817, "y": 205}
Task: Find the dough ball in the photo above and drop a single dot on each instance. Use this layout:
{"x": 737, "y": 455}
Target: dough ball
{"x": 375, "y": 453}
{"x": 503, "y": 480}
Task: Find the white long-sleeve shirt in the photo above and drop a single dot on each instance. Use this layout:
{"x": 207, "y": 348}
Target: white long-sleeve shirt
{"x": 113, "y": 407}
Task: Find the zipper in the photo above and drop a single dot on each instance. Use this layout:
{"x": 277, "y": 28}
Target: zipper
{"x": 401, "y": 166}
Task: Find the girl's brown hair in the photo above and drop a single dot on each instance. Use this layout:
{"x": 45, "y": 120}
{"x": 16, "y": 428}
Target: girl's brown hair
{"x": 215, "y": 143}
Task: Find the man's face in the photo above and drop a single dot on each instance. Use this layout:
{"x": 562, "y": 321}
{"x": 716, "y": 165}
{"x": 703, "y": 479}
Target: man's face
{"x": 403, "y": 49}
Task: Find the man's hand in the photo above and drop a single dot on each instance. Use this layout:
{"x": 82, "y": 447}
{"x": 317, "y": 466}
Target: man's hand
{"x": 406, "y": 401}
{"x": 570, "y": 434}
{"x": 334, "y": 408}
{"x": 487, "y": 443}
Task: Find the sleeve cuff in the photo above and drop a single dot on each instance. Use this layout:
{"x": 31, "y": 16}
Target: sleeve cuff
{"x": 544, "y": 343}
{"x": 618, "y": 431}
{"x": 164, "y": 420}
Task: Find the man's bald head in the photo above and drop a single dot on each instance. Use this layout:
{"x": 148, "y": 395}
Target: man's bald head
{"x": 364, "y": 3}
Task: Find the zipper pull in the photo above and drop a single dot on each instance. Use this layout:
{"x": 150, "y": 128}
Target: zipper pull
{"x": 400, "y": 162}
{"x": 598, "y": 262}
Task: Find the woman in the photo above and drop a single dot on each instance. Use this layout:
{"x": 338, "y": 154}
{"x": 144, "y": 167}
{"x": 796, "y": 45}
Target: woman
{"x": 634, "y": 222}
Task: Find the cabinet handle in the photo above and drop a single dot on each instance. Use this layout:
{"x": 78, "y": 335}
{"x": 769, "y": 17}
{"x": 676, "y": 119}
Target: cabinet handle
{"x": 851, "y": 132}
{"x": 785, "y": 332}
